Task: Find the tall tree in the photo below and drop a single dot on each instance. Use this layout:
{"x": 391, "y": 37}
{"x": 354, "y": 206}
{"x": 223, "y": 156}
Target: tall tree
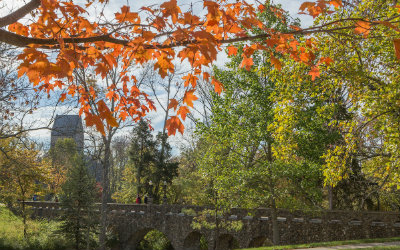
{"x": 78, "y": 217}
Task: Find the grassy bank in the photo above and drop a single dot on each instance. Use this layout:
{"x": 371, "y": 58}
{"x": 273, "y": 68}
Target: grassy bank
{"x": 332, "y": 243}
{"x": 41, "y": 234}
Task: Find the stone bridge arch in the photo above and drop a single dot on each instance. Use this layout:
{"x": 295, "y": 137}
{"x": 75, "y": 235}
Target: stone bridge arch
{"x": 227, "y": 242}
{"x": 193, "y": 241}
{"x": 137, "y": 236}
{"x": 130, "y": 222}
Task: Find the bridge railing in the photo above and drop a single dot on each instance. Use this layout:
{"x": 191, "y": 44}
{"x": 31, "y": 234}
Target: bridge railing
{"x": 352, "y": 218}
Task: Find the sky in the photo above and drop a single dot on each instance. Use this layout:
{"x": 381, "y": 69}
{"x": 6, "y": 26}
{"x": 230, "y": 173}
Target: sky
{"x": 43, "y": 115}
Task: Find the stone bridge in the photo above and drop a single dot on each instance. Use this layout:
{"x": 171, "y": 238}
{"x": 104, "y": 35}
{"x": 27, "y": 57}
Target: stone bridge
{"x": 131, "y": 222}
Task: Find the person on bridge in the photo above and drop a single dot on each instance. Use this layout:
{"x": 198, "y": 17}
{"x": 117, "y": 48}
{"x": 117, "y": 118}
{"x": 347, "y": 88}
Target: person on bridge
{"x": 145, "y": 199}
{"x": 138, "y": 199}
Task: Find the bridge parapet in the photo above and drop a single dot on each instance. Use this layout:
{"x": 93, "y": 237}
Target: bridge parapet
{"x": 133, "y": 221}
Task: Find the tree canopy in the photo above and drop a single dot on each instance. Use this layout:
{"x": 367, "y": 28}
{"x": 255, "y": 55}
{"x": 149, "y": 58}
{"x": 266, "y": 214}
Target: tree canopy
{"x": 78, "y": 37}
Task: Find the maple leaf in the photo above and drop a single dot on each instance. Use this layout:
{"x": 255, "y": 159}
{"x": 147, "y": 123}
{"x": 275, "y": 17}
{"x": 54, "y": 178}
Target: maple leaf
{"x": 275, "y": 61}
{"x": 232, "y": 50}
{"x": 362, "y": 27}
{"x": 173, "y": 124}
{"x": 336, "y": 3}
{"x": 396, "y": 43}
{"x": 189, "y": 98}
{"x": 218, "y": 86}
{"x": 190, "y": 79}
{"x": 314, "y": 72}
{"x": 126, "y": 15}
{"x": 171, "y": 9}
{"x": 63, "y": 97}
{"x": 183, "y": 110}
{"x": 173, "y": 103}
{"x": 247, "y": 62}
{"x": 94, "y": 120}
{"x": 206, "y": 75}
{"x": 306, "y": 5}
{"x": 106, "y": 114}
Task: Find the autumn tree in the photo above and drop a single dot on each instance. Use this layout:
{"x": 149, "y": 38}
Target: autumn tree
{"x": 61, "y": 156}
{"x": 22, "y": 174}
{"x": 355, "y": 99}
{"x": 162, "y": 33}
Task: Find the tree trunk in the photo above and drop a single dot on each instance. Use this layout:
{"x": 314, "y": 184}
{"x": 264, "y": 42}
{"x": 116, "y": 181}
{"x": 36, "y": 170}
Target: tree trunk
{"x": 274, "y": 213}
{"x": 275, "y": 225}
{"x": 105, "y": 193}
{"x": 24, "y": 218}
{"x": 330, "y": 192}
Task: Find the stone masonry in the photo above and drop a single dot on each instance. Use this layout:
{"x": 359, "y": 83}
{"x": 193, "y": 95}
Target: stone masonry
{"x": 131, "y": 222}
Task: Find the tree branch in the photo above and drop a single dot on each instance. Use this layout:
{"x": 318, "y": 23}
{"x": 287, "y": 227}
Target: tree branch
{"x": 20, "y": 13}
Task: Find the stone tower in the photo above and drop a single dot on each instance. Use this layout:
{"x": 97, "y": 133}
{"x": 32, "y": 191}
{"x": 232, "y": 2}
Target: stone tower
{"x": 68, "y": 126}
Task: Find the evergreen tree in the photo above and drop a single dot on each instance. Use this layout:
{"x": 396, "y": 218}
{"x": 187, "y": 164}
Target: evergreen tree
{"x": 78, "y": 203}
{"x": 149, "y": 162}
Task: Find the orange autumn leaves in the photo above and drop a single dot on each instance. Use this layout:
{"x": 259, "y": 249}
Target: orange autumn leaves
{"x": 159, "y": 34}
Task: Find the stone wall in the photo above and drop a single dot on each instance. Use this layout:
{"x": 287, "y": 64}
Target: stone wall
{"x": 131, "y": 222}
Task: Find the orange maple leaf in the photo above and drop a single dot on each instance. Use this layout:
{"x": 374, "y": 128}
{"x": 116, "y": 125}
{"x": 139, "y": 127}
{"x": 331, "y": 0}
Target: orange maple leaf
{"x": 247, "y": 62}
{"x": 232, "y": 50}
{"x": 183, "y": 110}
{"x": 314, "y": 72}
{"x": 173, "y": 103}
{"x": 106, "y": 114}
{"x": 306, "y": 5}
{"x": 189, "y": 98}
{"x": 171, "y": 9}
{"x": 362, "y": 27}
{"x": 336, "y": 3}
{"x": 190, "y": 79}
{"x": 275, "y": 61}
{"x": 94, "y": 120}
{"x": 173, "y": 124}
{"x": 218, "y": 86}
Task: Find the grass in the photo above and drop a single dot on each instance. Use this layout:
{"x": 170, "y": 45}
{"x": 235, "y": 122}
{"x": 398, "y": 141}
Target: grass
{"x": 377, "y": 248}
{"x": 40, "y": 236}
{"x": 332, "y": 243}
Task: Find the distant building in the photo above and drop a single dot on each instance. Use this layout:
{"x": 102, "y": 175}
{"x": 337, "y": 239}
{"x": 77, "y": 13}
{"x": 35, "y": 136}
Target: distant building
{"x": 68, "y": 126}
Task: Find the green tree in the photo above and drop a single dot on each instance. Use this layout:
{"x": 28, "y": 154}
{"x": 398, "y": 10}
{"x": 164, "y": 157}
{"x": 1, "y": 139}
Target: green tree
{"x": 78, "y": 202}
{"x": 356, "y": 99}
{"x": 148, "y": 167}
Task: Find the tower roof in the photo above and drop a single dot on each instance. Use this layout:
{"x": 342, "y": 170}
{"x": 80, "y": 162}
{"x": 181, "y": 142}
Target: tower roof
{"x": 66, "y": 125}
